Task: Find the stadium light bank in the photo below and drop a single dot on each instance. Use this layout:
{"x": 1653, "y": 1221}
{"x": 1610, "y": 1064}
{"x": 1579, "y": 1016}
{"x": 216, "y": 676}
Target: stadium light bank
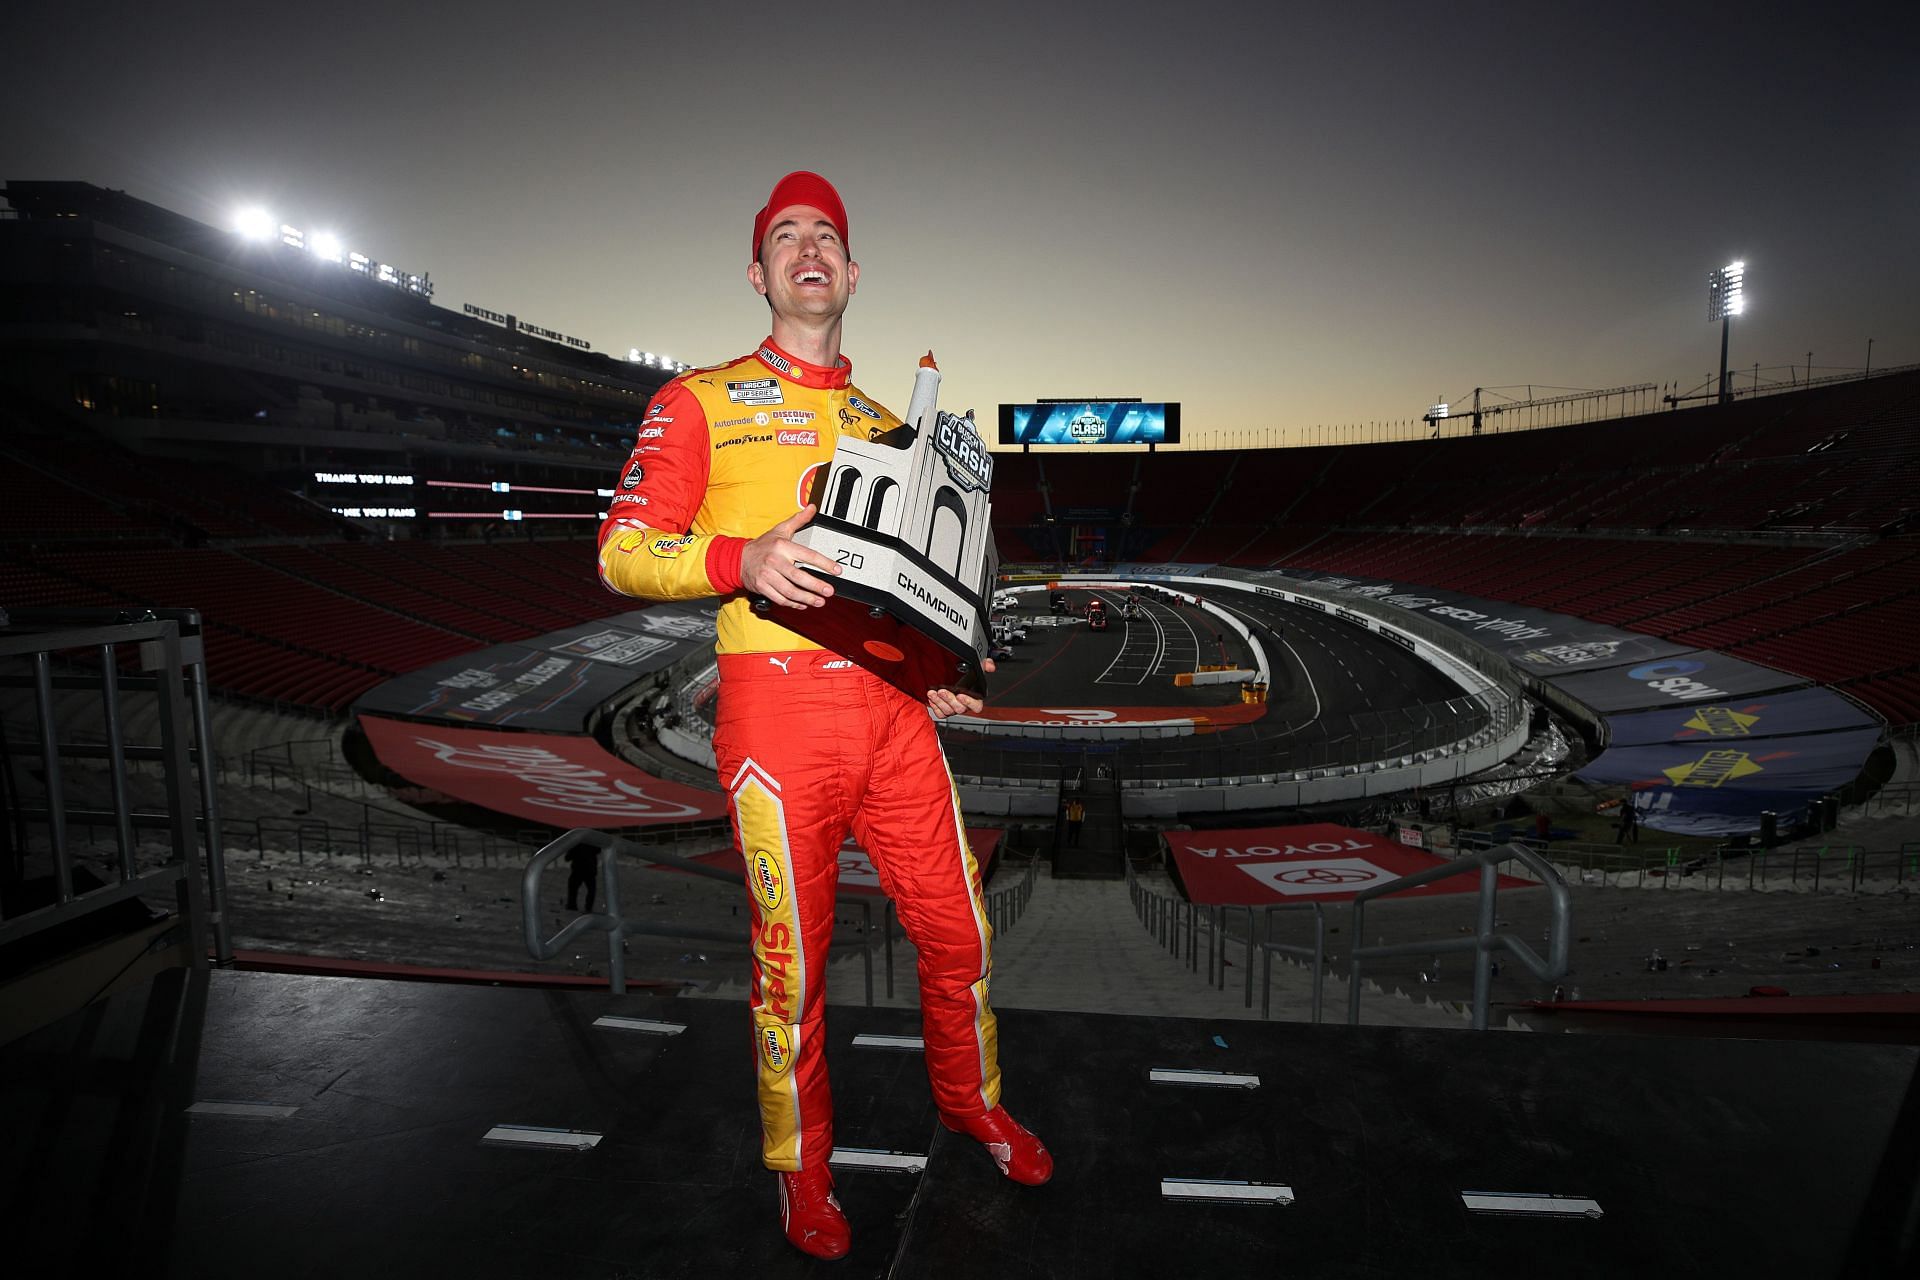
{"x": 258, "y": 225}
{"x": 1726, "y": 298}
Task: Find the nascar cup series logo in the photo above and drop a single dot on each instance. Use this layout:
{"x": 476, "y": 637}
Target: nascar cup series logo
{"x": 768, "y": 885}
{"x": 776, "y": 1048}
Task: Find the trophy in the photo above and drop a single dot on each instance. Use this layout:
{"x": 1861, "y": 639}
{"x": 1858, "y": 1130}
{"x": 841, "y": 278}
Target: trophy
{"x": 906, "y": 517}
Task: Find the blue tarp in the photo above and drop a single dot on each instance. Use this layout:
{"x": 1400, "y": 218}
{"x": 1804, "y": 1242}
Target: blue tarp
{"x": 1716, "y": 787}
{"x": 1737, "y": 719}
{"x": 1696, "y": 677}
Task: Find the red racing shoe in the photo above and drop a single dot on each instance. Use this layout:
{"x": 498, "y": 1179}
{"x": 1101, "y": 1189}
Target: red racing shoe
{"x": 810, "y": 1215}
{"x": 1017, "y": 1152}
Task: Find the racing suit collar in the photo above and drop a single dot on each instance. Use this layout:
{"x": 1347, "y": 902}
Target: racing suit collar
{"x": 794, "y": 369}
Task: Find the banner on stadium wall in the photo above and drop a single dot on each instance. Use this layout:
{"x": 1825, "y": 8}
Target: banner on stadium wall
{"x": 557, "y": 780}
{"x": 551, "y": 683}
{"x": 1696, "y": 677}
{"x": 857, "y": 872}
{"x": 1319, "y": 861}
{"x": 1738, "y": 719}
{"x": 644, "y": 640}
{"x": 1810, "y": 762}
{"x": 1538, "y": 640}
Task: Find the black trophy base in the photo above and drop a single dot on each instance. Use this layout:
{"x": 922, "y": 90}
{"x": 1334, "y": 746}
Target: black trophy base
{"x": 856, "y": 624}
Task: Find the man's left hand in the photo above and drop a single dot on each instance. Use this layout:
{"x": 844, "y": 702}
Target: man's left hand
{"x": 951, "y": 702}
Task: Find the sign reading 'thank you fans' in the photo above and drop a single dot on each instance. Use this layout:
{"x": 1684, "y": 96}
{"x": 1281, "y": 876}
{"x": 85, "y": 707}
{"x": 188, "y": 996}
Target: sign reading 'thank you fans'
{"x": 1290, "y": 864}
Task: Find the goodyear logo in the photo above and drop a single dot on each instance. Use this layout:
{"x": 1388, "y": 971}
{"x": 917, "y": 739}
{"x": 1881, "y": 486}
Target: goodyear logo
{"x": 767, "y": 882}
{"x": 1722, "y": 722}
{"x": 1712, "y": 769}
{"x": 671, "y": 548}
{"x": 776, "y": 1048}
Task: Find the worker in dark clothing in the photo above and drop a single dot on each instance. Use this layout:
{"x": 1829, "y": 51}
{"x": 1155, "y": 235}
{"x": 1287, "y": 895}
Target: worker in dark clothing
{"x": 1076, "y": 814}
{"x": 585, "y": 862}
{"x": 1629, "y": 823}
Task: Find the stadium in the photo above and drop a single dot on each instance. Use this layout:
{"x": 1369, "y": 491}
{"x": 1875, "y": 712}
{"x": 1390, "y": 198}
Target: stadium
{"x": 311, "y": 686}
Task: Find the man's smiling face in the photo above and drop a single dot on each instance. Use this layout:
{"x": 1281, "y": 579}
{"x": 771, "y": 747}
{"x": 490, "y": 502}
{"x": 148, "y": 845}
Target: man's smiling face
{"x": 804, "y": 271}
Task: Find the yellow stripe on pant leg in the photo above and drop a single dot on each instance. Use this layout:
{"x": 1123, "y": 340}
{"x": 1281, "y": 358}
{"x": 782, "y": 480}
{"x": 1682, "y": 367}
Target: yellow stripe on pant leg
{"x": 986, "y": 1027}
{"x": 762, "y": 822}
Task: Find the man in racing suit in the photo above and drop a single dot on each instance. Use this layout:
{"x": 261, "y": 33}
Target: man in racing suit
{"x": 810, "y": 746}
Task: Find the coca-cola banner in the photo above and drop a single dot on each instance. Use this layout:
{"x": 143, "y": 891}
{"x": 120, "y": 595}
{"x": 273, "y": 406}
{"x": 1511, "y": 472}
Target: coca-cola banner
{"x": 554, "y": 779}
{"x": 1254, "y": 867}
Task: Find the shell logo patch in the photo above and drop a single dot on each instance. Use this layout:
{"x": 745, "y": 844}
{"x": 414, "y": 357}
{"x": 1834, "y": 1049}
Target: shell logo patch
{"x": 776, "y": 1048}
{"x": 803, "y": 492}
{"x": 768, "y": 884}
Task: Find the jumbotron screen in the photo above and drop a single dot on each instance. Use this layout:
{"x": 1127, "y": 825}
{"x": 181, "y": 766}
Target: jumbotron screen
{"x": 1090, "y": 422}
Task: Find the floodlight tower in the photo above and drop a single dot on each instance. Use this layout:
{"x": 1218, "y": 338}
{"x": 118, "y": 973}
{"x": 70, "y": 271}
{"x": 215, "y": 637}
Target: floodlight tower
{"x": 1726, "y": 298}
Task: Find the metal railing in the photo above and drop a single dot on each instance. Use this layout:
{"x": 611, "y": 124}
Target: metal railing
{"x": 1176, "y": 924}
{"x": 1486, "y": 937}
{"x": 1895, "y": 799}
{"x": 1817, "y": 867}
{"x": 1004, "y": 907}
{"x": 609, "y": 920}
{"x": 171, "y": 667}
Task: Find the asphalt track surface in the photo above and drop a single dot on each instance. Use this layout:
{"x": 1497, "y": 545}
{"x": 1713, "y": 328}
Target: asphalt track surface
{"x": 1338, "y": 693}
{"x": 1322, "y": 669}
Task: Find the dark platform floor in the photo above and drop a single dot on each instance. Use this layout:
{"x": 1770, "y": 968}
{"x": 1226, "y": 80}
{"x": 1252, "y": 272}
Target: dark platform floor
{"x": 1724, "y": 1158}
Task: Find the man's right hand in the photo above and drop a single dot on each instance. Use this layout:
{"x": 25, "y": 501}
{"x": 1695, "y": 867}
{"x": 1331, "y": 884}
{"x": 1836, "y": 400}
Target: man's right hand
{"x": 770, "y": 566}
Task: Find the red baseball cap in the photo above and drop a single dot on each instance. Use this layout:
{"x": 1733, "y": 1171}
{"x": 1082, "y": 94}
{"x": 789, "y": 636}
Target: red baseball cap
{"x": 800, "y": 187}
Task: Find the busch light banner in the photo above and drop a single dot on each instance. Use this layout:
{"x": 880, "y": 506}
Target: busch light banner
{"x": 1738, "y": 719}
{"x": 1720, "y": 787}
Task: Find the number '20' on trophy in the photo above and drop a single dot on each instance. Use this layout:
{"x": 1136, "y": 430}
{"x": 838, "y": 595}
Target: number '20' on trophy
{"x": 906, "y": 517}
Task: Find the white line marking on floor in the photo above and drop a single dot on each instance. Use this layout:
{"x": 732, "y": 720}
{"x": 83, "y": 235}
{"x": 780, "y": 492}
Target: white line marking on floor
{"x": 869, "y": 1158}
{"x": 1216, "y": 1079}
{"x": 540, "y": 1137}
{"x": 245, "y": 1110}
{"x": 1216, "y": 1189}
{"x": 1531, "y": 1204}
{"x": 868, "y": 1040}
{"x": 613, "y": 1023}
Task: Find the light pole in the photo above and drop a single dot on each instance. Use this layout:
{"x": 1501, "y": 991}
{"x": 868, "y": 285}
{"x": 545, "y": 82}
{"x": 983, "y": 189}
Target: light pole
{"x": 1726, "y": 298}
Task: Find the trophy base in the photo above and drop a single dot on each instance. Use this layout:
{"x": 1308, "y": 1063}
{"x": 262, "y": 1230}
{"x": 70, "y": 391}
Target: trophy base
{"x": 856, "y": 624}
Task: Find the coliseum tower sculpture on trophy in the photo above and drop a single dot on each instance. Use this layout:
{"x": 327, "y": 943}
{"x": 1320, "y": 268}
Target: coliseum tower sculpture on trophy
{"x": 907, "y": 518}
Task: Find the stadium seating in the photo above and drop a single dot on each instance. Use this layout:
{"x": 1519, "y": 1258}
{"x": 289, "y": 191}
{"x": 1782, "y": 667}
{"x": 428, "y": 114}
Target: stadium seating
{"x": 1773, "y": 529}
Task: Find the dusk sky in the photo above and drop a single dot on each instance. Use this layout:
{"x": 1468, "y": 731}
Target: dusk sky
{"x": 1280, "y": 215}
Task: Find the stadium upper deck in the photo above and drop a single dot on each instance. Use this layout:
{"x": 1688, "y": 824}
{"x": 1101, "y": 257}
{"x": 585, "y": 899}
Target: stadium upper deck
{"x": 173, "y": 337}
{"x": 144, "y": 344}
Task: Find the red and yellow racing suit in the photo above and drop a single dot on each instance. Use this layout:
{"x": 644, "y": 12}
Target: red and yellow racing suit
{"x": 810, "y": 746}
